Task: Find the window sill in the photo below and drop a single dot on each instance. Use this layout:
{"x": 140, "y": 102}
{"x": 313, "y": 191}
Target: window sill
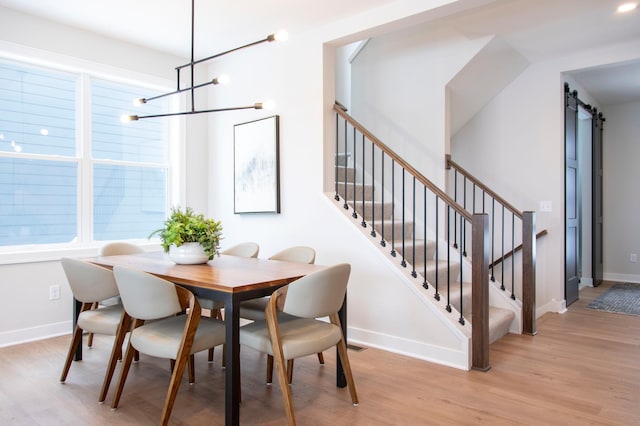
{"x": 33, "y": 254}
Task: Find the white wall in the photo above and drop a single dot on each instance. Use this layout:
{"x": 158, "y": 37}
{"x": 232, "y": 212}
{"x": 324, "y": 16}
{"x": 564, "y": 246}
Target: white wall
{"x": 621, "y": 195}
{"x": 25, "y": 310}
{"x": 523, "y": 128}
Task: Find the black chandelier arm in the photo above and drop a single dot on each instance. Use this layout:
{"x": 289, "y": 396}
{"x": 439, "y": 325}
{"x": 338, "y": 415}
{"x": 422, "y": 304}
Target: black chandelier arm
{"x": 175, "y": 92}
{"x": 257, "y": 105}
{"x": 217, "y": 55}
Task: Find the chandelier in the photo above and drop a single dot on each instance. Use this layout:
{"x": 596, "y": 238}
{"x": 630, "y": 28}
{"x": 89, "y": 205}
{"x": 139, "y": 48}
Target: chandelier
{"x": 190, "y": 67}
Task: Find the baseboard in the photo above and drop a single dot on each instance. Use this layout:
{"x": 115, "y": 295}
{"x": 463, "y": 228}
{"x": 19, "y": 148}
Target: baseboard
{"x": 449, "y": 357}
{"x": 559, "y": 307}
{"x": 625, "y": 278}
{"x": 25, "y": 335}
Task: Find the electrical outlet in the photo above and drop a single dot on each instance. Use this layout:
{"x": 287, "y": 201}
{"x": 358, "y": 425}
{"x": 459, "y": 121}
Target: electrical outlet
{"x": 54, "y": 292}
{"x": 633, "y": 257}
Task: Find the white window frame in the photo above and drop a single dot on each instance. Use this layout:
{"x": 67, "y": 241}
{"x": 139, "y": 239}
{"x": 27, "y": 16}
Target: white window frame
{"x": 177, "y": 150}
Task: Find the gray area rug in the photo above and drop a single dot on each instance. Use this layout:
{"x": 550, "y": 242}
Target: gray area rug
{"x": 621, "y": 298}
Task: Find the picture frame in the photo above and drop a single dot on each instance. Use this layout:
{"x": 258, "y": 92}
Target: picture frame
{"x": 256, "y": 169}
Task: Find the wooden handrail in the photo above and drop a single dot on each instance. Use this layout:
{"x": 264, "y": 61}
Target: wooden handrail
{"x": 450, "y": 163}
{"x": 515, "y": 250}
{"x": 395, "y": 157}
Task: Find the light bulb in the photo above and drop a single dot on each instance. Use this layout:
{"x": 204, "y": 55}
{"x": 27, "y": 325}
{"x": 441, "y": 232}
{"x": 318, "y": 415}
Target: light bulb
{"x": 268, "y": 105}
{"x": 126, "y": 118}
{"x": 138, "y": 102}
{"x": 627, "y": 7}
{"x": 221, "y": 79}
{"x": 281, "y": 35}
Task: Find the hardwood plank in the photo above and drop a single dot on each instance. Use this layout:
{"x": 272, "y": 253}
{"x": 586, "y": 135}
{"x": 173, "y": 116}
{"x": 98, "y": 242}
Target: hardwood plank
{"x": 581, "y": 368}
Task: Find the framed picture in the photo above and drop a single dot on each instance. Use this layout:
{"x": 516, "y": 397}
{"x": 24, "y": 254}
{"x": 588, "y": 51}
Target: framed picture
{"x": 256, "y": 168}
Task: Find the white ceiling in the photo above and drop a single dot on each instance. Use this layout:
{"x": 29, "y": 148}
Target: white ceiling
{"x": 536, "y": 28}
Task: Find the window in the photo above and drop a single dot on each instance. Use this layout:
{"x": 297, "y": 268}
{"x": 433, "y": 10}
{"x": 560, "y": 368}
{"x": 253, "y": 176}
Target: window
{"x": 70, "y": 171}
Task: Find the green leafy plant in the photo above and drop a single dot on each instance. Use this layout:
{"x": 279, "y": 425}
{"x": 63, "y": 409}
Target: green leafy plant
{"x": 187, "y": 227}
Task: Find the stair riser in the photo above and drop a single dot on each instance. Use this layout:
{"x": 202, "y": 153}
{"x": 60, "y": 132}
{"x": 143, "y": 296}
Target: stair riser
{"x": 367, "y": 190}
{"x": 369, "y": 211}
{"x": 441, "y": 271}
{"x": 393, "y": 230}
{"x": 346, "y": 174}
{"x": 419, "y": 250}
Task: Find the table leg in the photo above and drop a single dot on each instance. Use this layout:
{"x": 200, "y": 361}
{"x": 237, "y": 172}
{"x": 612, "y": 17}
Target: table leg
{"x": 77, "y": 307}
{"x": 341, "y": 379}
{"x": 232, "y": 369}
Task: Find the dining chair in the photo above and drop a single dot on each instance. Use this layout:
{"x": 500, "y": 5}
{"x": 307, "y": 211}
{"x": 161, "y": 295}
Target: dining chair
{"x": 246, "y": 249}
{"x": 89, "y": 284}
{"x": 161, "y": 328}
{"x": 254, "y": 309}
{"x": 112, "y": 249}
{"x": 316, "y": 295}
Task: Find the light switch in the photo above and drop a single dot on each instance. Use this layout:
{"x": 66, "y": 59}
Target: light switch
{"x": 545, "y": 206}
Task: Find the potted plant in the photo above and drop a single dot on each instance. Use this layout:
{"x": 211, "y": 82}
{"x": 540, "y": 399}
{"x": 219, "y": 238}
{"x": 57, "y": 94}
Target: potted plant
{"x": 185, "y": 231}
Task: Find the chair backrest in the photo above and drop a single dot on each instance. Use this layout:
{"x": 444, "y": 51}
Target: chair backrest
{"x": 119, "y": 247}
{"x": 89, "y": 283}
{"x": 299, "y": 254}
{"x": 145, "y": 296}
{"x": 318, "y": 294}
{"x": 248, "y": 249}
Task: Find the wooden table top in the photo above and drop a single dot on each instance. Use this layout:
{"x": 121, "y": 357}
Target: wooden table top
{"x": 230, "y": 274}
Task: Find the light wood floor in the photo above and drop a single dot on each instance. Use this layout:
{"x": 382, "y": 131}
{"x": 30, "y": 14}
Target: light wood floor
{"x": 583, "y": 368}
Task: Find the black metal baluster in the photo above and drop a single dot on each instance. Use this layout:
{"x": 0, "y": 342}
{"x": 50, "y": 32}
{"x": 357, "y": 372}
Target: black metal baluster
{"x": 455, "y": 214}
{"x": 493, "y": 278}
{"x": 363, "y": 223}
{"x": 461, "y": 319}
{"x": 393, "y": 207}
{"x": 424, "y": 276}
{"x": 463, "y": 225}
{"x": 513, "y": 255}
{"x": 502, "y": 287}
{"x": 346, "y": 175}
{"x": 437, "y": 294}
{"x": 448, "y": 259}
{"x": 414, "y": 274}
{"x": 404, "y": 250}
{"x": 355, "y": 161}
{"x": 383, "y": 243}
{"x": 337, "y": 197}
{"x": 373, "y": 191}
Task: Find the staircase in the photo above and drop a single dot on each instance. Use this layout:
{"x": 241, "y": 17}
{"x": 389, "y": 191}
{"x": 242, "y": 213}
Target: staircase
{"x": 450, "y": 245}
{"x": 419, "y": 255}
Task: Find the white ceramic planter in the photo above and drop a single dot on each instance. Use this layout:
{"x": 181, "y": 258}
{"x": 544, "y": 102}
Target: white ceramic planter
{"x": 188, "y": 254}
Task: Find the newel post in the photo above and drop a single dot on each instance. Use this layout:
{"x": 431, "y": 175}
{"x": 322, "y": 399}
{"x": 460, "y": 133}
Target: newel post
{"x": 529, "y": 273}
{"x": 480, "y": 293}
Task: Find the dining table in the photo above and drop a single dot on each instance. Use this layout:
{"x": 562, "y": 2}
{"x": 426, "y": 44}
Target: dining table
{"x": 228, "y": 279}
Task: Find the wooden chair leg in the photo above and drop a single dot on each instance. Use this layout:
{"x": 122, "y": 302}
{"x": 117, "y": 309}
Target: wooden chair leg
{"x": 116, "y": 354}
{"x": 75, "y": 341}
{"x": 269, "y": 369}
{"x": 290, "y": 371}
{"x": 210, "y": 358}
{"x": 124, "y": 371}
{"x": 191, "y": 369}
{"x": 278, "y": 356}
{"x": 90, "y": 337}
{"x": 320, "y": 358}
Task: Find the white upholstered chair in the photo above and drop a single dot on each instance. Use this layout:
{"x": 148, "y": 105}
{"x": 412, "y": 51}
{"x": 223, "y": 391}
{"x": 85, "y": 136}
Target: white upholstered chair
{"x": 89, "y": 284}
{"x": 319, "y": 294}
{"x": 112, "y": 249}
{"x": 169, "y": 333}
{"x": 254, "y": 309}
